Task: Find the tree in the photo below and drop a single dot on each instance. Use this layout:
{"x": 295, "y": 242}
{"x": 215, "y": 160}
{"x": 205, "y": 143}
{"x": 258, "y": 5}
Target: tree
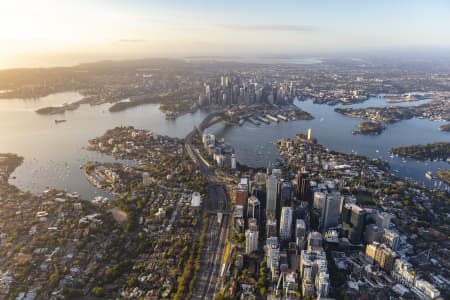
{"x": 97, "y": 291}
{"x": 54, "y": 279}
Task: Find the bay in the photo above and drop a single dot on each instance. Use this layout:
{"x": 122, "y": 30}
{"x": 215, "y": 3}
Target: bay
{"x": 54, "y": 152}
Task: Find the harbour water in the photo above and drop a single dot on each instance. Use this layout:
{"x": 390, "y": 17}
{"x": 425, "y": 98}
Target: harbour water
{"x": 254, "y": 147}
{"x": 54, "y": 152}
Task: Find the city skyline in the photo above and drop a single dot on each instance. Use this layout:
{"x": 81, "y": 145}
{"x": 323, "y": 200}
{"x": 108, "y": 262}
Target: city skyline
{"x": 50, "y": 33}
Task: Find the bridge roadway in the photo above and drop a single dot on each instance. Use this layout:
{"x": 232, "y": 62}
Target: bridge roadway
{"x": 218, "y": 200}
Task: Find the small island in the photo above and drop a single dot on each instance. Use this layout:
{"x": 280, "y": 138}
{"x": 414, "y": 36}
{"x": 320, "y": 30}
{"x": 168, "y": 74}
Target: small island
{"x": 300, "y": 114}
{"x": 369, "y": 128}
{"x": 434, "y": 151}
{"x": 445, "y": 127}
{"x": 54, "y": 110}
{"x": 444, "y": 175}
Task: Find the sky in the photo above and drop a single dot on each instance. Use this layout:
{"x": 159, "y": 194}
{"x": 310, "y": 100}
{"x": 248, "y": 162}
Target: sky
{"x": 63, "y": 32}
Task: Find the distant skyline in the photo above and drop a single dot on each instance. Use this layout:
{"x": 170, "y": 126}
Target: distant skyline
{"x": 62, "y": 32}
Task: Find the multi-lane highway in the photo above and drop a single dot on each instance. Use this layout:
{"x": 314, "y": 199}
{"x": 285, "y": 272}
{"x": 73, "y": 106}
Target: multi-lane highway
{"x": 218, "y": 200}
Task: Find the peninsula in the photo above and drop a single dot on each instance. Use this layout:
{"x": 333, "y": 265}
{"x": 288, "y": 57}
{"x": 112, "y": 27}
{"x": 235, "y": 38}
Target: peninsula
{"x": 434, "y": 151}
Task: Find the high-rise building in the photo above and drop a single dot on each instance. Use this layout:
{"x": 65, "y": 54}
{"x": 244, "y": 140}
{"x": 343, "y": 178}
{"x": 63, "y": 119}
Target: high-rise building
{"x": 391, "y": 238}
{"x": 285, "y": 193}
{"x": 322, "y": 284}
{"x": 303, "y": 186}
{"x": 319, "y": 200}
{"x": 314, "y": 241}
{"x": 330, "y": 212}
{"x": 273, "y": 256}
{"x": 383, "y": 220}
{"x": 404, "y": 272}
{"x": 371, "y": 249}
{"x": 277, "y": 173}
{"x": 241, "y": 194}
{"x": 382, "y": 255}
{"x": 309, "y": 134}
{"x": 195, "y": 199}
{"x": 300, "y": 233}
{"x": 286, "y": 223}
{"x": 260, "y": 179}
{"x": 353, "y": 221}
{"x": 373, "y": 233}
{"x": 251, "y": 241}
{"x": 271, "y": 226}
{"x": 253, "y": 210}
{"x": 146, "y": 179}
{"x": 314, "y": 273}
{"x": 253, "y": 224}
{"x": 271, "y": 195}
{"x": 233, "y": 161}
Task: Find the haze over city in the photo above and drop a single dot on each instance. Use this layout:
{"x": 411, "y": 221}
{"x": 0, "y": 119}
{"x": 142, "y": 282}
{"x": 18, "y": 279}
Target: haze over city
{"x": 51, "y": 32}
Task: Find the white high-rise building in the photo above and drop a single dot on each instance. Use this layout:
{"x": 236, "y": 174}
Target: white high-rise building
{"x": 314, "y": 273}
{"x": 286, "y": 223}
{"x": 251, "y": 241}
{"x": 322, "y": 283}
{"x": 273, "y": 256}
{"x": 253, "y": 208}
{"x": 233, "y": 161}
{"x": 383, "y": 220}
{"x": 319, "y": 200}
{"x": 146, "y": 179}
{"x": 309, "y": 134}
{"x": 271, "y": 198}
{"x": 195, "y": 199}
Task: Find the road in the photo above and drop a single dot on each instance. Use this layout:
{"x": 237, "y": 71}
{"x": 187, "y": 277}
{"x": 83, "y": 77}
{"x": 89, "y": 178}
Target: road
{"x": 208, "y": 282}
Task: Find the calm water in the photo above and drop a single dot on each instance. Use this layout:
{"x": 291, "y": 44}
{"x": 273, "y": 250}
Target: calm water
{"x": 54, "y": 152}
{"x": 254, "y": 145}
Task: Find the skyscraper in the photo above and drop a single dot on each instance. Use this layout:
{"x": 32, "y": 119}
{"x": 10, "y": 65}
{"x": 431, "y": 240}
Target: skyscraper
{"x": 251, "y": 241}
{"x": 353, "y": 221}
{"x": 373, "y": 233}
{"x": 273, "y": 256}
{"x": 315, "y": 241}
{"x": 319, "y": 200}
{"x": 286, "y": 223}
{"x": 285, "y": 194}
{"x": 309, "y": 134}
{"x": 241, "y": 194}
{"x": 330, "y": 212}
{"x": 271, "y": 226}
{"x": 314, "y": 273}
{"x": 383, "y": 220}
{"x": 253, "y": 210}
{"x": 271, "y": 198}
{"x": 302, "y": 186}
{"x": 300, "y": 233}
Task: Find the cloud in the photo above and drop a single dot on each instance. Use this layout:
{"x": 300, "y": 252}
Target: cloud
{"x": 132, "y": 41}
{"x": 278, "y": 27}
